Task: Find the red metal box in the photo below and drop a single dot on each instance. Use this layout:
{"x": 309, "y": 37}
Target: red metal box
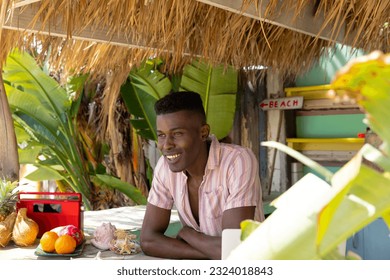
{"x": 52, "y": 209}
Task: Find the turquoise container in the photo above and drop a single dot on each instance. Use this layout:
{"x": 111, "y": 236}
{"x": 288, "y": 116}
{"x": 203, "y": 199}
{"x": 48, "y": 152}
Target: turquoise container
{"x": 330, "y": 126}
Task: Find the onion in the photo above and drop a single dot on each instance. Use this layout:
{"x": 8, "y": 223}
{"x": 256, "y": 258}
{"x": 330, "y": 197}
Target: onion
{"x": 6, "y": 227}
{"x": 25, "y": 230}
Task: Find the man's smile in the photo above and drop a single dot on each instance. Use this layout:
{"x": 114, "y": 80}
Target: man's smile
{"x": 172, "y": 157}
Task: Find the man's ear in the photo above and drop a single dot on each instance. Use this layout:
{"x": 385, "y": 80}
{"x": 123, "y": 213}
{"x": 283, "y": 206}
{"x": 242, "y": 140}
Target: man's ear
{"x": 205, "y": 131}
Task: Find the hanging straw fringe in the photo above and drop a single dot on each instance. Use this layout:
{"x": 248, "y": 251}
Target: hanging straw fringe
{"x": 179, "y": 30}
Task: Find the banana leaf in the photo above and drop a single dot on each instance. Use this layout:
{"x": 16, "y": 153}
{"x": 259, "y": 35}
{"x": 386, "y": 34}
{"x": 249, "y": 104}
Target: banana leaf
{"x": 44, "y": 173}
{"x": 39, "y": 125}
{"x": 29, "y": 156}
{"x": 74, "y": 87}
{"x": 45, "y": 118}
{"x": 368, "y": 80}
{"x": 126, "y": 188}
{"x": 142, "y": 89}
{"x": 368, "y": 199}
{"x": 218, "y": 89}
{"x": 291, "y": 231}
{"x": 22, "y": 72}
{"x": 217, "y": 86}
{"x": 41, "y": 107}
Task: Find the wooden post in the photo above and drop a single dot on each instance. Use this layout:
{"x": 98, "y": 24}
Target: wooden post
{"x": 9, "y": 159}
{"x": 250, "y": 122}
{"x": 277, "y": 175}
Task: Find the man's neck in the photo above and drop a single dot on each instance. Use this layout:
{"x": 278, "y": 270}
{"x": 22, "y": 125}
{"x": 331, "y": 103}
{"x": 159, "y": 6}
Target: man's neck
{"x": 197, "y": 172}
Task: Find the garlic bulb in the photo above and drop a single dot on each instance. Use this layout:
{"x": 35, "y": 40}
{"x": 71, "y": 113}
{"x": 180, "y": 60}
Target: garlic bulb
{"x": 103, "y": 235}
{"x": 6, "y": 227}
{"x": 25, "y": 229}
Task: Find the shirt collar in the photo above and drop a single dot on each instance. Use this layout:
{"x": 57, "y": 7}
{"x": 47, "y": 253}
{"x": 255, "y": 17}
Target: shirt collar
{"x": 214, "y": 153}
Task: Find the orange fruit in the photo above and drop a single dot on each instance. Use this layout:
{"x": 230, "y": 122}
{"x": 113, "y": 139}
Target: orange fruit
{"x": 48, "y": 240}
{"x": 65, "y": 244}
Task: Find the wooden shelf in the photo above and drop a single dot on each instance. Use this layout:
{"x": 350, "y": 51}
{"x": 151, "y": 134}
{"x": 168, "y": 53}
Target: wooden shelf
{"x": 309, "y": 92}
{"x": 318, "y": 97}
{"x": 325, "y": 144}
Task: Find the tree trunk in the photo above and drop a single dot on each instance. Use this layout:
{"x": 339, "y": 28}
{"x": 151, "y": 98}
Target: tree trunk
{"x": 9, "y": 159}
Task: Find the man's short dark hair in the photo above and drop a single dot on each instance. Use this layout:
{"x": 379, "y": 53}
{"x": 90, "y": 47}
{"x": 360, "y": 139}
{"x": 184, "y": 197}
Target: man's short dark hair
{"x": 179, "y": 101}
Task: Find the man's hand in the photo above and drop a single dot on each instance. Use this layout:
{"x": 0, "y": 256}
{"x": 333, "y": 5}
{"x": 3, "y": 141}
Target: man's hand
{"x": 155, "y": 243}
{"x": 208, "y": 245}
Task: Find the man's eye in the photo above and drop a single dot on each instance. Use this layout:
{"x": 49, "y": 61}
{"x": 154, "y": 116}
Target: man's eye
{"x": 178, "y": 133}
{"x": 160, "y": 135}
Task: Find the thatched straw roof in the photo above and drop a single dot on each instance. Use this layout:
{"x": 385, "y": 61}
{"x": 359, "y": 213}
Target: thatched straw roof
{"x": 102, "y": 35}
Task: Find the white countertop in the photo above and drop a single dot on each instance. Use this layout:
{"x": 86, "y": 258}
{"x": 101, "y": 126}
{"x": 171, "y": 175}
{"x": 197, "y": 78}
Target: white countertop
{"x": 127, "y": 218}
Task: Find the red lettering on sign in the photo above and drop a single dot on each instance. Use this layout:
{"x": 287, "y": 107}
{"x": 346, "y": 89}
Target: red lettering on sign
{"x": 282, "y": 103}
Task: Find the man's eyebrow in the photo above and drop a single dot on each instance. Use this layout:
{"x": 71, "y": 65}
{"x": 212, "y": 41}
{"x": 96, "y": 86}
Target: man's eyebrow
{"x": 172, "y": 129}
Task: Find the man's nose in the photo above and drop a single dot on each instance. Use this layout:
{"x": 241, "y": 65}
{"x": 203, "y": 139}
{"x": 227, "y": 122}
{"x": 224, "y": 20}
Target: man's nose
{"x": 168, "y": 143}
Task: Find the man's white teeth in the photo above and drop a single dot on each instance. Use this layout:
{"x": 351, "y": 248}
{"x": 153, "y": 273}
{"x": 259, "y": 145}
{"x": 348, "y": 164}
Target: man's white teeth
{"x": 171, "y": 157}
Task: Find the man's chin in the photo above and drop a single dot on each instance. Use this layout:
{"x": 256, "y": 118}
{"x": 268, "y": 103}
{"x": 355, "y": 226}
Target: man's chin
{"x": 175, "y": 168}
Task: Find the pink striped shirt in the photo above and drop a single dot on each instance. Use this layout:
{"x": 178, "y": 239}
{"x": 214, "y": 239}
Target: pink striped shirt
{"x": 231, "y": 180}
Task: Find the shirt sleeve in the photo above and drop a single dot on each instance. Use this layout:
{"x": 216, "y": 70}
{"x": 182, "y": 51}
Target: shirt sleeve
{"x": 243, "y": 181}
{"x": 160, "y": 194}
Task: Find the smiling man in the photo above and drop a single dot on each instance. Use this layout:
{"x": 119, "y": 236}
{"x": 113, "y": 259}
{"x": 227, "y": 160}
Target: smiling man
{"x": 213, "y": 185}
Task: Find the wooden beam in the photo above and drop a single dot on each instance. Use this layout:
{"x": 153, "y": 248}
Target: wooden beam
{"x": 22, "y": 18}
{"x": 306, "y": 23}
{"x": 22, "y": 3}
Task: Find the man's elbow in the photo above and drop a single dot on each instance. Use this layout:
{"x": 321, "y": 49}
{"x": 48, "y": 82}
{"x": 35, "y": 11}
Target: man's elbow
{"x": 146, "y": 245}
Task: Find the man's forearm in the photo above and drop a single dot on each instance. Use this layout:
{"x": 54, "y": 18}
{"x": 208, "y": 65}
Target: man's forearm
{"x": 158, "y": 245}
{"x": 208, "y": 245}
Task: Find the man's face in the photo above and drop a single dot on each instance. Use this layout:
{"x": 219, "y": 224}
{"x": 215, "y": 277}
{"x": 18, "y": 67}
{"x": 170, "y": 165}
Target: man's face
{"x": 181, "y": 135}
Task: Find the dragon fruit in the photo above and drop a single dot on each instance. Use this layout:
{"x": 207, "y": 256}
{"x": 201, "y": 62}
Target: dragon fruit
{"x": 71, "y": 230}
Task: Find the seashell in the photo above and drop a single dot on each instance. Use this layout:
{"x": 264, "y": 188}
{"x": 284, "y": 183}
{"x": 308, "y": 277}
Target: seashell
{"x": 103, "y": 235}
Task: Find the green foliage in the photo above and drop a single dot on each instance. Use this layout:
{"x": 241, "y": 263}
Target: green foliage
{"x": 216, "y": 85}
{"x": 143, "y": 88}
{"x": 305, "y": 160}
{"x": 8, "y": 197}
{"x": 112, "y": 182}
{"x": 45, "y": 114}
{"x": 313, "y": 217}
{"x": 247, "y": 227}
{"x": 41, "y": 108}
{"x": 218, "y": 89}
